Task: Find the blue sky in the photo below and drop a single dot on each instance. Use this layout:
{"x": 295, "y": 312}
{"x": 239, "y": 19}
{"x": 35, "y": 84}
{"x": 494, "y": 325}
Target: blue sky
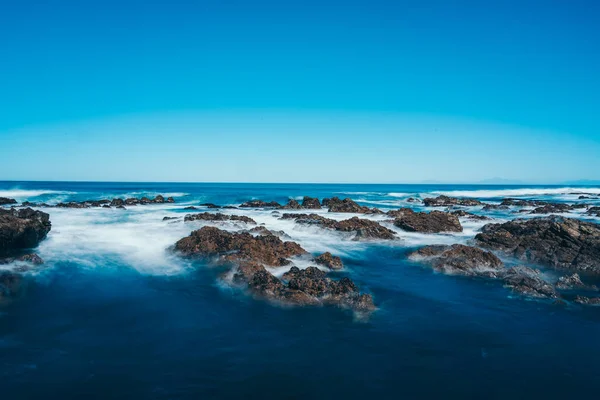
{"x": 300, "y": 91}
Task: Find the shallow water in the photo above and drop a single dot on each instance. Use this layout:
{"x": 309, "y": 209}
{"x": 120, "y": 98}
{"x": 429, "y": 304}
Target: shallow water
{"x": 114, "y": 314}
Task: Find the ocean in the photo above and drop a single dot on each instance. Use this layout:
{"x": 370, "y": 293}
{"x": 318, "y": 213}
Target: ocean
{"x": 113, "y": 313}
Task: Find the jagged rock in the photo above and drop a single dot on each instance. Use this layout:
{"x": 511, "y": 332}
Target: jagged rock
{"x": 170, "y": 200}
{"x": 554, "y": 241}
{"x": 190, "y": 208}
{"x": 349, "y": 206}
{"x": 330, "y": 261}
{"x": 433, "y": 222}
{"x": 523, "y": 203}
{"x": 552, "y": 208}
{"x": 169, "y": 218}
{"x": 121, "y": 207}
{"x": 210, "y": 205}
{"x": 459, "y": 259}
{"x": 260, "y": 204}
{"x": 445, "y": 201}
{"x": 573, "y": 281}
{"x": 6, "y": 200}
{"x": 213, "y": 242}
{"x": 311, "y": 203}
{"x": 206, "y": 216}
{"x": 364, "y": 228}
{"x": 528, "y": 282}
{"x": 590, "y": 301}
{"x": 22, "y": 229}
{"x": 464, "y": 214}
{"x": 117, "y": 202}
{"x": 292, "y": 205}
{"x": 261, "y": 230}
{"x": 593, "y": 211}
{"x": 28, "y": 258}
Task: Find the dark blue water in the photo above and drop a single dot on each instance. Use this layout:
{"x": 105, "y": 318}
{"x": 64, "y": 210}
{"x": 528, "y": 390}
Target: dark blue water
{"x": 96, "y": 323}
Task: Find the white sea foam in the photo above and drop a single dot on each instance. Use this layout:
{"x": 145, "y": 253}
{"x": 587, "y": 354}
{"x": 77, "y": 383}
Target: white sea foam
{"x": 21, "y": 194}
{"x": 523, "y": 192}
{"x": 398, "y": 194}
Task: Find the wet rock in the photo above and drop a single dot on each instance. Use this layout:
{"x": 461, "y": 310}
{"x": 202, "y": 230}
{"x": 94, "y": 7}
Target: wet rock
{"x": 364, "y": 228}
{"x": 190, "y": 208}
{"x": 311, "y": 203}
{"x": 260, "y": 204}
{"x": 213, "y": 242}
{"x": 523, "y": 203}
{"x": 465, "y": 214}
{"x": 349, "y": 206}
{"x": 206, "y": 216}
{"x": 105, "y": 206}
{"x": 210, "y": 205}
{"x": 459, "y": 259}
{"x": 412, "y": 200}
{"x": 589, "y": 301}
{"x": 593, "y": 211}
{"x": 572, "y": 282}
{"x": 229, "y": 207}
{"x": 170, "y": 200}
{"x": 292, "y": 205}
{"x": 169, "y": 218}
{"x": 552, "y": 208}
{"x": 262, "y": 230}
{"x": 5, "y": 200}
{"x": 22, "y": 229}
{"x": 554, "y": 241}
{"x": 330, "y": 261}
{"x": 158, "y": 199}
{"x": 121, "y": 207}
{"x": 528, "y": 282}
{"x": 445, "y": 201}
{"x": 117, "y": 202}
{"x": 28, "y": 258}
{"x": 433, "y": 222}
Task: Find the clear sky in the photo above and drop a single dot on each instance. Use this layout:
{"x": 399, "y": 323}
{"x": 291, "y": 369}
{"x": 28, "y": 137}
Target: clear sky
{"x": 300, "y": 91}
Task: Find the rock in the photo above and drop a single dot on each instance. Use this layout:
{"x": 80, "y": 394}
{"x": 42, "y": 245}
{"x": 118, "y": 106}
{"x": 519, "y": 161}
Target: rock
{"x": 105, "y": 206}
{"x": 593, "y": 211}
{"x": 412, "y": 200}
{"x": 10, "y": 284}
{"x": 213, "y": 242}
{"x": 490, "y": 207}
{"x": 6, "y": 200}
{"x": 552, "y": 208}
{"x": 555, "y": 241}
{"x": 523, "y": 203}
{"x": 117, "y": 202}
{"x": 573, "y": 281}
{"x": 190, "y": 208}
{"x": 206, "y": 216}
{"x": 169, "y": 218}
{"x": 261, "y": 230}
{"x": 170, "y": 200}
{"x": 260, "y": 204}
{"x": 464, "y": 214}
{"x": 590, "y": 301}
{"x": 158, "y": 199}
{"x": 445, "y": 201}
{"x": 433, "y": 222}
{"x": 121, "y": 207}
{"x": 528, "y": 282}
{"x": 292, "y": 205}
{"x": 229, "y": 207}
{"x": 22, "y": 229}
{"x": 330, "y": 261}
{"x": 132, "y": 201}
{"x": 364, "y": 228}
{"x": 311, "y": 203}
{"x": 349, "y": 206}
{"x": 28, "y": 258}
{"x": 459, "y": 259}
{"x": 210, "y": 205}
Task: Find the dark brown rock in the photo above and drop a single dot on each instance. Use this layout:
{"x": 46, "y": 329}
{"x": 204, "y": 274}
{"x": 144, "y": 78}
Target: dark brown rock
{"x": 459, "y": 259}
{"x": 292, "y": 205}
{"x": 210, "y": 205}
{"x": 364, "y": 228}
{"x": 589, "y": 301}
{"x": 330, "y": 261}
{"x": 554, "y": 241}
{"x": 490, "y": 207}
{"x": 528, "y": 282}
{"x": 349, "y": 206}
{"x": 445, "y": 201}
{"x": 260, "y": 204}
{"x": 311, "y": 203}
{"x": 5, "y": 200}
{"x": 465, "y": 214}
{"x": 22, "y": 229}
{"x": 433, "y": 222}
{"x": 573, "y": 281}
{"x": 206, "y": 216}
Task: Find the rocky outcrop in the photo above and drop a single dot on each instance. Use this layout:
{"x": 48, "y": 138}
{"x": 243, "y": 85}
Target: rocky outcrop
{"x": 169, "y": 218}
{"x": 523, "y": 203}
{"x": 593, "y": 211}
{"x": 348, "y": 206}
{"x": 5, "y": 201}
{"x": 552, "y": 208}
{"x": 260, "y": 204}
{"x": 330, "y": 261}
{"x": 363, "y": 228}
{"x": 528, "y": 282}
{"x": 209, "y": 205}
{"x": 218, "y": 217}
{"x": 262, "y": 230}
{"x": 589, "y": 301}
{"x": 459, "y": 259}
{"x": 105, "y": 203}
{"x": 433, "y": 222}
{"x": 292, "y": 205}
{"x": 31, "y": 258}
{"x": 573, "y": 282}
{"x": 22, "y": 229}
{"x": 465, "y": 214}
{"x": 554, "y": 241}
{"x": 211, "y": 242}
{"x": 311, "y": 203}
{"x": 445, "y": 201}
{"x": 490, "y": 207}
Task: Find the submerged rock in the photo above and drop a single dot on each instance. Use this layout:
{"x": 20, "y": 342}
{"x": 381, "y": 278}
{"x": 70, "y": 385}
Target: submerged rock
{"x": 528, "y": 282}
{"x": 206, "y": 216}
{"x": 209, "y": 205}
{"x": 22, "y": 229}
{"x": 5, "y": 200}
{"x": 433, "y": 222}
{"x": 445, "y": 201}
{"x": 459, "y": 259}
{"x": 213, "y": 242}
{"x": 31, "y": 258}
{"x": 573, "y": 281}
{"x": 364, "y": 228}
{"x": 554, "y": 241}
{"x": 590, "y": 301}
{"x": 330, "y": 261}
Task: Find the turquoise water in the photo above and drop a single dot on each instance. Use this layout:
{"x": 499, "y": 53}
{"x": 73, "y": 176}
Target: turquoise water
{"x": 114, "y": 315}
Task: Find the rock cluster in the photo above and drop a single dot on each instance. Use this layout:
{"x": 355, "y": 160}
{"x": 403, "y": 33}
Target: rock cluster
{"x": 555, "y": 241}
{"x": 445, "y": 201}
{"x": 330, "y": 261}
{"x": 348, "y": 206}
{"x": 22, "y": 229}
{"x": 105, "y": 203}
{"x": 433, "y": 222}
{"x": 260, "y": 204}
{"x": 218, "y": 217}
{"x": 5, "y": 200}
{"x": 363, "y": 228}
